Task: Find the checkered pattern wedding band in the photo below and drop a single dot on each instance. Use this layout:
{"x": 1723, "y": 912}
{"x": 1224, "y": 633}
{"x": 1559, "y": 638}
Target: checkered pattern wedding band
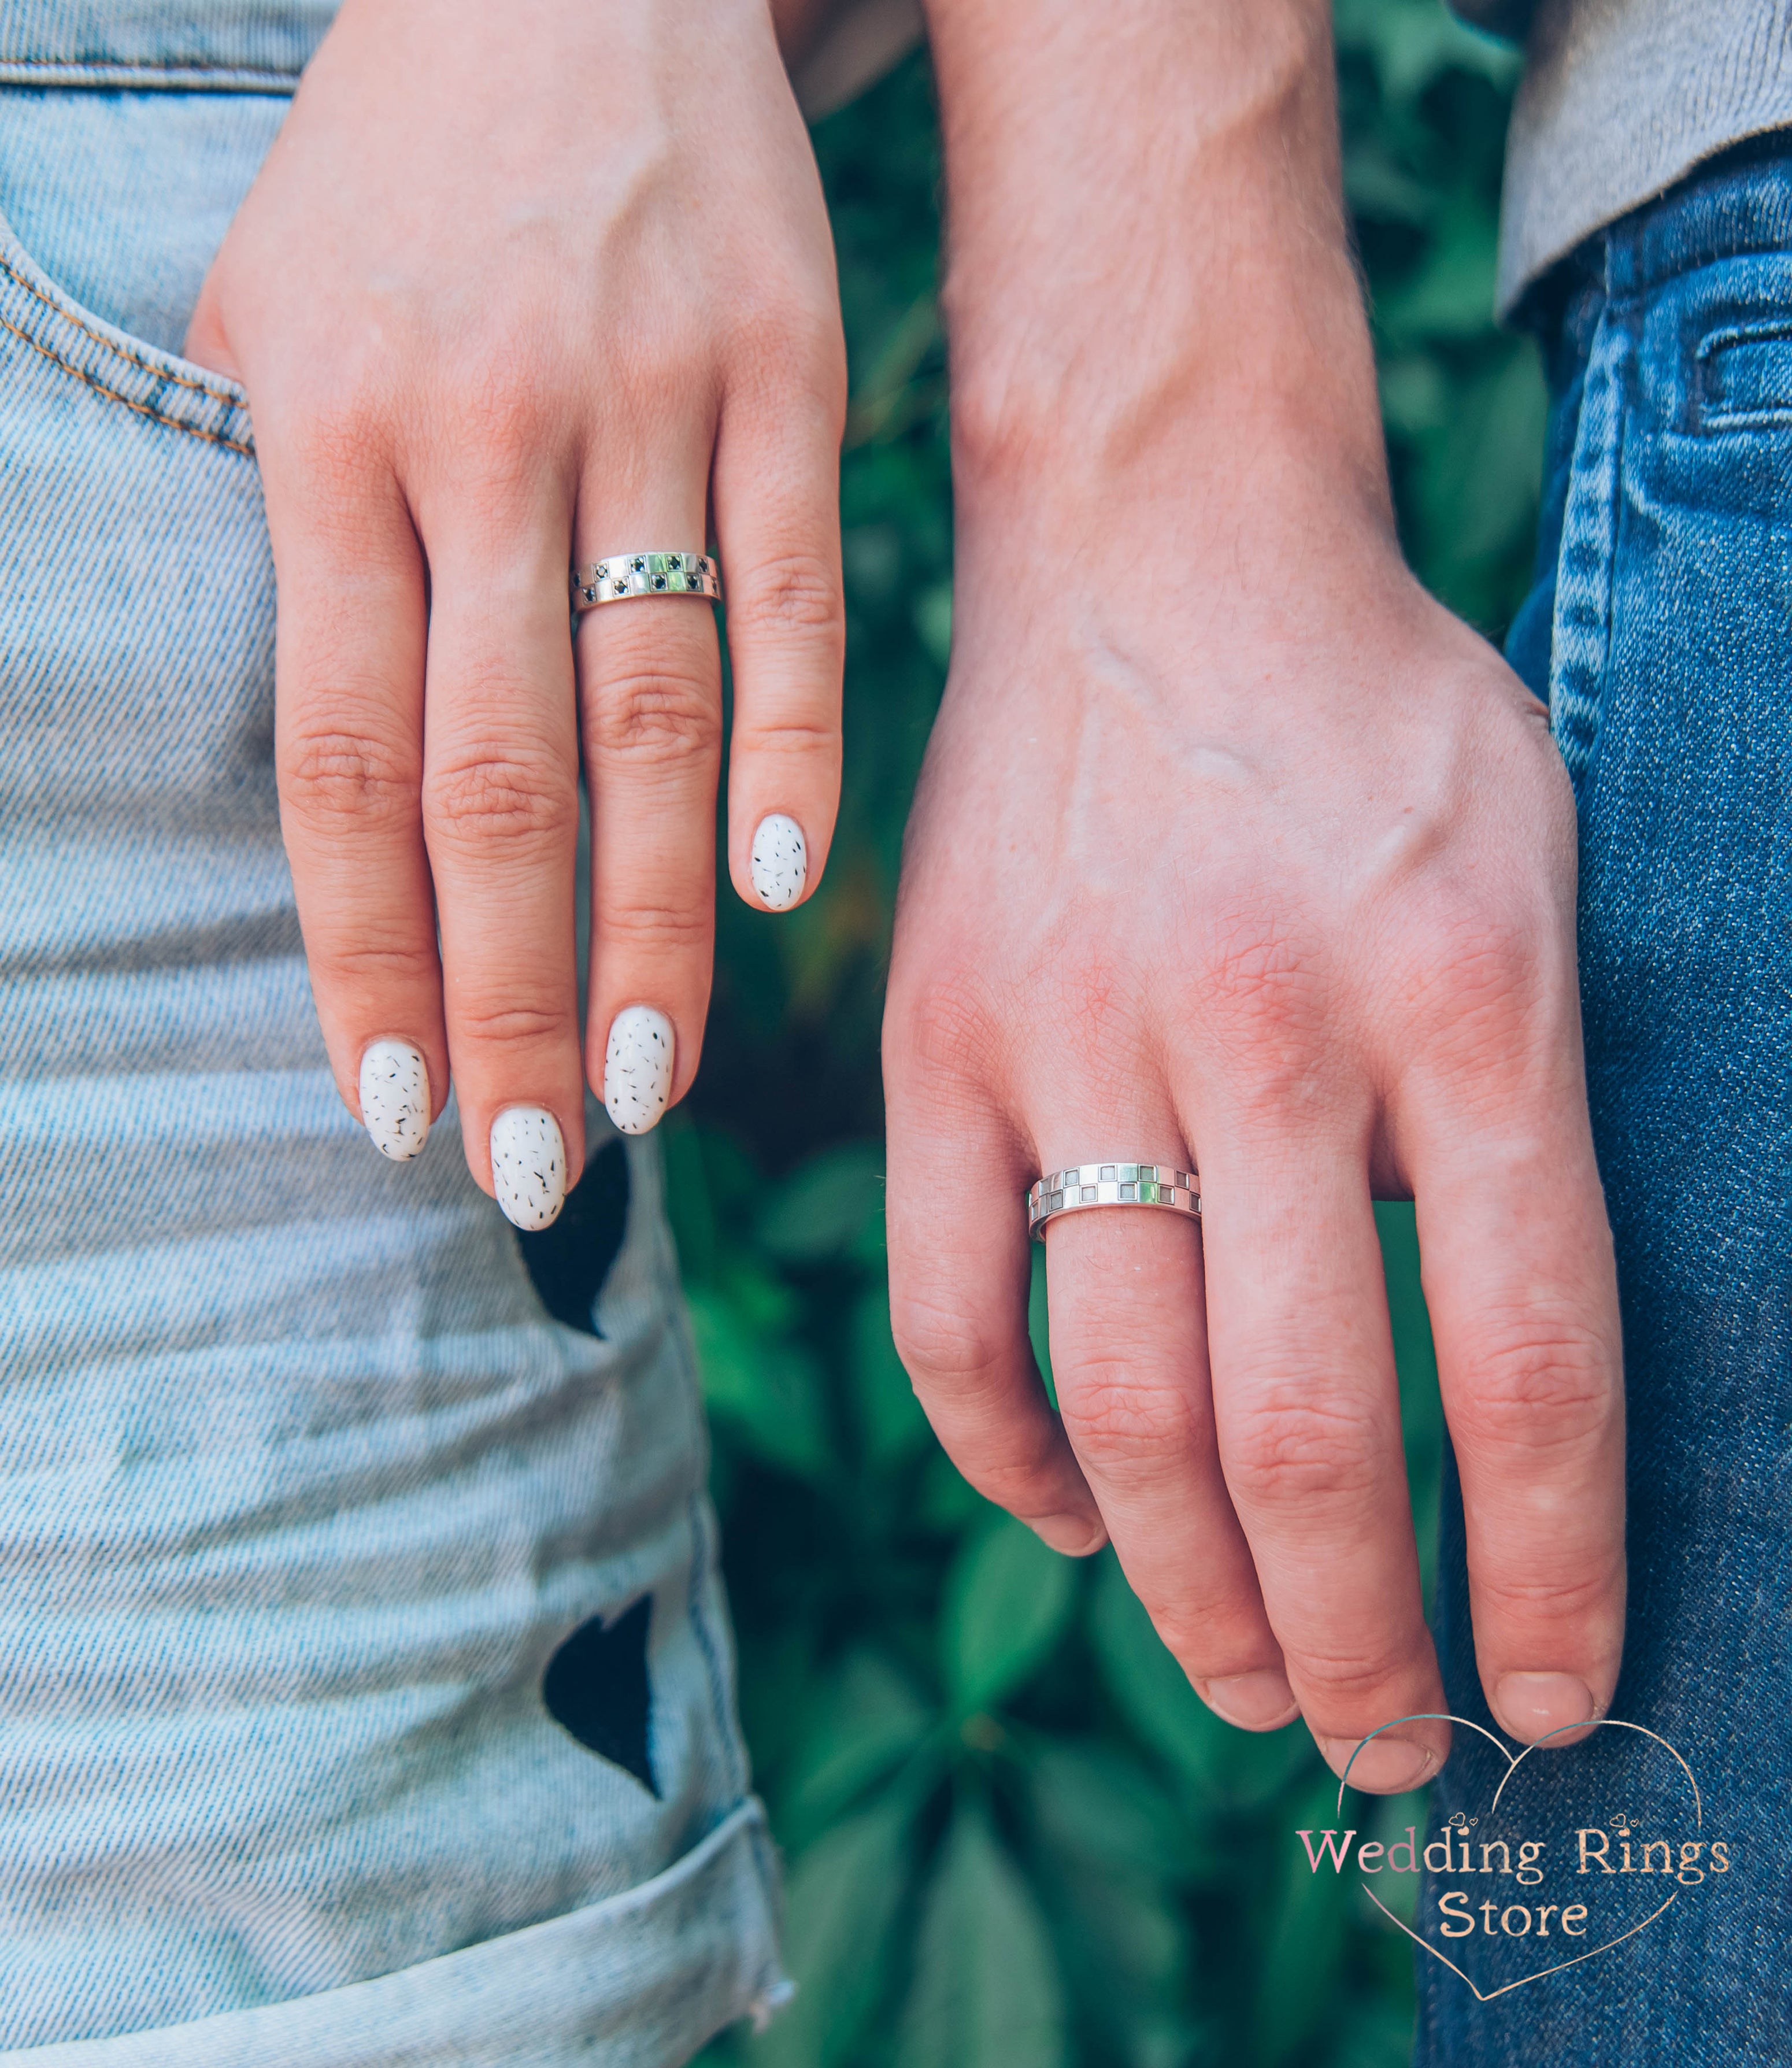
{"x": 625, "y": 574}
{"x": 1112, "y": 1185}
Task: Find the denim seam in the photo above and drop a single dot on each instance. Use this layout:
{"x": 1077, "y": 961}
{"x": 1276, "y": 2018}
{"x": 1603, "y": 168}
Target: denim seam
{"x": 646, "y": 1160}
{"x": 159, "y": 372}
{"x": 104, "y": 74}
{"x": 112, "y": 394}
{"x": 1581, "y": 637}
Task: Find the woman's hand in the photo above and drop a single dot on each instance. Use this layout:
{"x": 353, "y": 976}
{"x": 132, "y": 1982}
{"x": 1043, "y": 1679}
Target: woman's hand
{"x": 1231, "y": 846}
{"x": 514, "y": 291}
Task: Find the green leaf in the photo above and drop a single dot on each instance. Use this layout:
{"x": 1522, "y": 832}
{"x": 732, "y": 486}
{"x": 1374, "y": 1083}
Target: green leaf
{"x": 1095, "y": 1806}
{"x": 1421, "y": 1408}
{"x": 949, "y": 1504}
{"x": 1039, "y": 1326}
{"x": 933, "y": 621}
{"x": 1232, "y": 1769}
{"x": 866, "y": 1723}
{"x": 987, "y": 1993}
{"x": 1413, "y": 43}
{"x": 843, "y": 1897}
{"x": 822, "y": 1210}
{"x": 1376, "y": 2034}
{"x": 764, "y": 1391}
{"x": 1008, "y": 1598}
{"x": 891, "y": 1424}
{"x": 1452, "y": 294}
{"x": 1301, "y": 1941}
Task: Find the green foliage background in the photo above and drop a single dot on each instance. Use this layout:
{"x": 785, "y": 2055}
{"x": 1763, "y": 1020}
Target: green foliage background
{"x": 1015, "y": 1837}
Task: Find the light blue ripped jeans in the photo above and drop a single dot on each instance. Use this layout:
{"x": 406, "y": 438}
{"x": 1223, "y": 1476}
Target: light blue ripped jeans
{"x": 365, "y": 1691}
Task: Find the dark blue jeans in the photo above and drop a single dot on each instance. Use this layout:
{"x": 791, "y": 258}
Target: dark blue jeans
{"x": 1660, "y": 630}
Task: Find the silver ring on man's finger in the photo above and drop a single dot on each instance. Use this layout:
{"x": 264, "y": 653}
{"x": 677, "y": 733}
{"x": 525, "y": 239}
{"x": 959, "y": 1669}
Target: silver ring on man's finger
{"x": 1112, "y": 1185}
{"x": 623, "y": 576}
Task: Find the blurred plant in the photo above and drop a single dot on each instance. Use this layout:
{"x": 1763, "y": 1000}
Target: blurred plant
{"x": 1016, "y": 1838}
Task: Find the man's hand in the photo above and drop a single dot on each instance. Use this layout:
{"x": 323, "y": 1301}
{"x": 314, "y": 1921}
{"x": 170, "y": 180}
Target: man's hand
{"x": 512, "y": 292}
{"x": 1234, "y": 851}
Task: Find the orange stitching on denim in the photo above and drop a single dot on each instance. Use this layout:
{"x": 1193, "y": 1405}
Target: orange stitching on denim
{"x": 111, "y": 344}
{"x": 112, "y": 395}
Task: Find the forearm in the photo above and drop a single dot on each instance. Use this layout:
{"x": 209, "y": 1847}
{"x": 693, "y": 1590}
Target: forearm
{"x": 1149, "y": 268}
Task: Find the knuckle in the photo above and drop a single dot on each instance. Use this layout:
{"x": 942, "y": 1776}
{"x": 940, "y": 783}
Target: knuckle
{"x": 500, "y": 410}
{"x": 652, "y": 926}
{"x": 658, "y": 717}
{"x": 1538, "y": 1388}
{"x": 333, "y": 772}
{"x": 330, "y": 431}
{"x": 1265, "y": 999}
{"x": 1475, "y": 967}
{"x": 790, "y": 596}
{"x": 789, "y": 735}
{"x": 361, "y": 962}
{"x": 945, "y": 1344}
{"x": 1338, "y": 1680}
{"x": 508, "y": 1022}
{"x": 1206, "y": 1632}
{"x": 1114, "y": 1413}
{"x": 781, "y": 327}
{"x": 1282, "y": 1451}
{"x": 484, "y": 798}
{"x": 940, "y": 1031}
{"x": 1554, "y": 1591}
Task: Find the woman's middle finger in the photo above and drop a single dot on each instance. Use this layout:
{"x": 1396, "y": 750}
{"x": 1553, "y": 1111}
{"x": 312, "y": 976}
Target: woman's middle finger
{"x": 501, "y": 817}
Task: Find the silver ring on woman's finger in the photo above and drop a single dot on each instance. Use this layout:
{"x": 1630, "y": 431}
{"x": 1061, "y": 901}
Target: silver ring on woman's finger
{"x": 625, "y": 574}
{"x": 1112, "y": 1185}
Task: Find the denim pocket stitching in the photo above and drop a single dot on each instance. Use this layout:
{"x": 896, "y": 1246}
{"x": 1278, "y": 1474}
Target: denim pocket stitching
{"x": 1580, "y": 637}
{"x": 1772, "y": 331}
{"x": 112, "y": 395}
{"x": 72, "y": 316}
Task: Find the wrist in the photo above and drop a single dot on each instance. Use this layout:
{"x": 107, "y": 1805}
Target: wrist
{"x": 1150, "y": 275}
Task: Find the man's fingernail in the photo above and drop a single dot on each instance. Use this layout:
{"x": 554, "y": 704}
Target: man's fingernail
{"x": 1076, "y": 1535}
{"x": 781, "y": 862}
{"x": 1531, "y": 1705}
{"x": 1256, "y": 1701}
{"x": 528, "y": 1166}
{"x": 1387, "y": 1765}
{"x": 395, "y": 1098}
{"x": 637, "y": 1067}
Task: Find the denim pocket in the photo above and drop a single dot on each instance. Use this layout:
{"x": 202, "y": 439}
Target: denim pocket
{"x": 110, "y": 363}
{"x": 1741, "y": 377}
{"x": 112, "y": 207}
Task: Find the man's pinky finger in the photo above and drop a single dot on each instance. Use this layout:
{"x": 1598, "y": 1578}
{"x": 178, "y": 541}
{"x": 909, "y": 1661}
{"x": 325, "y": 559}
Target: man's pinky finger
{"x": 960, "y": 1269}
{"x": 1523, "y": 1295}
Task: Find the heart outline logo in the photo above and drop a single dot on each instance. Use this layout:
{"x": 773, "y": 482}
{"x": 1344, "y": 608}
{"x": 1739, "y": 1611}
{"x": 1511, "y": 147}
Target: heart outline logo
{"x": 1513, "y": 1765}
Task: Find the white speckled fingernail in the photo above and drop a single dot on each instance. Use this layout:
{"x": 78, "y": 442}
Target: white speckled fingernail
{"x": 528, "y": 1166}
{"x": 637, "y": 1067}
{"x": 395, "y": 1098}
{"x": 781, "y": 862}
